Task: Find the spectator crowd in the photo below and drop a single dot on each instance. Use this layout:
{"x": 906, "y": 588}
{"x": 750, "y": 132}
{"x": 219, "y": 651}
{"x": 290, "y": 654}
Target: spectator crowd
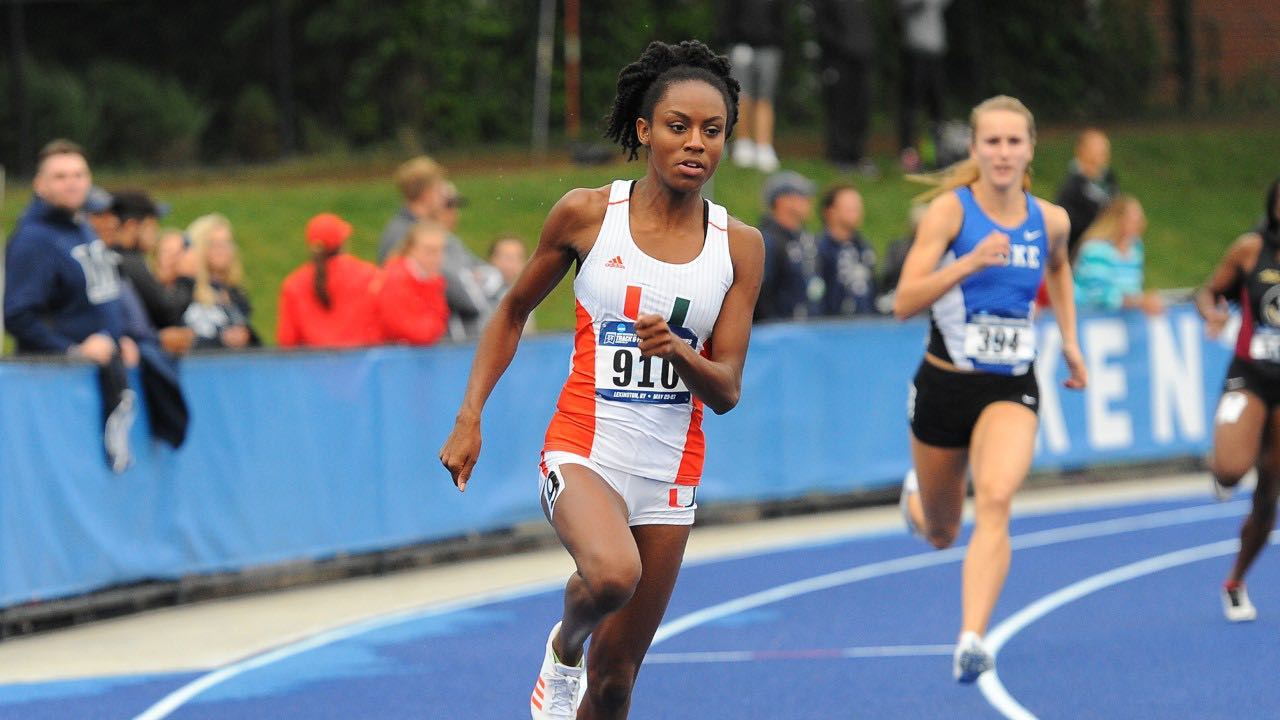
{"x": 92, "y": 274}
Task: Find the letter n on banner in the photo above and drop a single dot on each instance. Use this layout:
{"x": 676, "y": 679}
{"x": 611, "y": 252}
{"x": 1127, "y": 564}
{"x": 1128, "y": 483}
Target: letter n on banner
{"x": 1177, "y": 377}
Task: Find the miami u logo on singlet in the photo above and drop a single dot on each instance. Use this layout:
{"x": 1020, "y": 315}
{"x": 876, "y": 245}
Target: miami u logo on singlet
{"x": 622, "y": 374}
{"x": 631, "y": 307}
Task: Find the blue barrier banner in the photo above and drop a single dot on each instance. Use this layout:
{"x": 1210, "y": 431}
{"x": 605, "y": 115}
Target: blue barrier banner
{"x": 824, "y": 405}
{"x": 296, "y": 456}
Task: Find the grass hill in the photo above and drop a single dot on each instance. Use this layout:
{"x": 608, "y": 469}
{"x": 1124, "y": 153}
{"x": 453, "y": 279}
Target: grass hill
{"x": 1201, "y": 183}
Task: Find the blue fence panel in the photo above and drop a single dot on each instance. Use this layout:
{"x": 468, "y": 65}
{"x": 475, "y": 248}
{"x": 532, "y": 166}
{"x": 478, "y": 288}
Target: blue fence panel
{"x": 308, "y": 455}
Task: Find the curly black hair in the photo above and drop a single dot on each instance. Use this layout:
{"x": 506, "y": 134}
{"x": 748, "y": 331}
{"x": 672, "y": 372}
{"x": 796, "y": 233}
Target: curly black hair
{"x": 642, "y": 83}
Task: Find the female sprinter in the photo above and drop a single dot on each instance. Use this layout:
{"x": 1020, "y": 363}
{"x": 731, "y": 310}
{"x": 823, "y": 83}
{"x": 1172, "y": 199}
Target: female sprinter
{"x": 661, "y": 271}
{"x": 1247, "y": 424}
{"x": 980, "y": 252}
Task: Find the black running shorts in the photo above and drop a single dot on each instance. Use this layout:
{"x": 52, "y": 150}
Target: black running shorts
{"x": 943, "y": 405}
{"x": 1261, "y": 381}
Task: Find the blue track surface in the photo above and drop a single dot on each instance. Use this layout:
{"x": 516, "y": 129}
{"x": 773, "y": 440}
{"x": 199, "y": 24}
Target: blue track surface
{"x": 860, "y": 627}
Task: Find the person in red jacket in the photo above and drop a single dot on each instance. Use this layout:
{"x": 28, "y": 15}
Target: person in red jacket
{"x": 411, "y": 301}
{"x": 331, "y": 300}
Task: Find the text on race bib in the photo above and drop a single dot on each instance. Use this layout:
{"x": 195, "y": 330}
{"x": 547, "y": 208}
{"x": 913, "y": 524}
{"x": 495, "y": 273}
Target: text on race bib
{"x": 995, "y": 340}
{"x": 623, "y": 376}
{"x": 1265, "y": 344}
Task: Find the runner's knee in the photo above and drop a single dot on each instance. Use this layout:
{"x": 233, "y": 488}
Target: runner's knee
{"x": 612, "y": 584}
{"x": 941, "y": 536}
{"x": 1228, "y": 468}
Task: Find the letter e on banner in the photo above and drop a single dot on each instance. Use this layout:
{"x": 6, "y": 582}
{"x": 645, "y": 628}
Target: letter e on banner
{"x": 1053, "y": 428}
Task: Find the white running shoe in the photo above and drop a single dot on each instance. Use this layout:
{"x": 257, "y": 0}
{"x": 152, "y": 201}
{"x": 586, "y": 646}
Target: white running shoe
{"x": 971, "y": 658}
{"x": 560, "y": 688}
{"x": 744, "y": 152}
{"x": 766, "y": 158}
{"x": 910, "y": 486}
{"x": 1236, "y": 605}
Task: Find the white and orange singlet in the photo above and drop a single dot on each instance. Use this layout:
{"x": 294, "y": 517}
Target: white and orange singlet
{"x": 618, "y": 409}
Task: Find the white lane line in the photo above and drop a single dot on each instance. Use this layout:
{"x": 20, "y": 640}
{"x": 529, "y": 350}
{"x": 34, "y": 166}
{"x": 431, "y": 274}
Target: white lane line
{"x": 1164, "y": 518}
{"x": 990, "y": 684}
{"x": 176, "y": 699}
{"x": 182, "y": 695}
{"x": 722, "y": 656}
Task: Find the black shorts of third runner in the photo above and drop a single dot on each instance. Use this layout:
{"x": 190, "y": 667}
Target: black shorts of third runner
{"x": 944, "y": 405}
{"x": 1258, "y": 378}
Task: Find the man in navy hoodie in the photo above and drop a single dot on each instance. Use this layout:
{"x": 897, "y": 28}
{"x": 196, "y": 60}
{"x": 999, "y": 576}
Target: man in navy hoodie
{"x": 62, "y": 288}
{"x": 847, "y": 260}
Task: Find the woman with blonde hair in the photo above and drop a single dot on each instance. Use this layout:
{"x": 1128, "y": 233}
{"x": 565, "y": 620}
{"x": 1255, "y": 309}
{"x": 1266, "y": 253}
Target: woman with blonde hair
{"x": 1108, "y": 272}
{"x": 982, "y": 247}
{"x": 411, "y": 300}
{"x": 219, "y": 311}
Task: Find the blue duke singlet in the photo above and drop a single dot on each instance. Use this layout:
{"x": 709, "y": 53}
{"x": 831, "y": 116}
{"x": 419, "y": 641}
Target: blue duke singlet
{"x": 984, "y": 322}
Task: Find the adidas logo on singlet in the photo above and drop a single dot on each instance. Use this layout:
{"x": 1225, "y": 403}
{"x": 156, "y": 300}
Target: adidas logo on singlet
{"x": 616, "y": 262}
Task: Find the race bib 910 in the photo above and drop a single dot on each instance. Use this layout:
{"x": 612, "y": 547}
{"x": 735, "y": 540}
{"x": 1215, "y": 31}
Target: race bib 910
{"x": 995, "y": 340}
{"x": 623, "y": 376}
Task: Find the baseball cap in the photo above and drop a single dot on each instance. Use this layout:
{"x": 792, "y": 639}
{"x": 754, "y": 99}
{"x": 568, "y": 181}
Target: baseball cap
{"x": 98, "y": 201}
{"x": 451, "y": 196}
{"x": 137, "y": 204}
{"x": 786, "y": 182}
{"x": 327, "y": 231}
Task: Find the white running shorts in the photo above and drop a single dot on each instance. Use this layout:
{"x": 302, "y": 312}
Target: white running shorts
{"x": 648, "y": 501}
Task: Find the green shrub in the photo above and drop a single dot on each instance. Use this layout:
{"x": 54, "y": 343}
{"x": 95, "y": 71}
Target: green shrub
{"x": 142, "y": 118}
{"x": 255, "y": 125}
{"x": 60, "y": 108}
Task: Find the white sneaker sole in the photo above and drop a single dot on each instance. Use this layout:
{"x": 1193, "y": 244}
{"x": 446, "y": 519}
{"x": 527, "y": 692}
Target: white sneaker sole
{"x": 1244, "y": 612}
{"x": 910, "y": 486}
{"x": 970, "y": 666}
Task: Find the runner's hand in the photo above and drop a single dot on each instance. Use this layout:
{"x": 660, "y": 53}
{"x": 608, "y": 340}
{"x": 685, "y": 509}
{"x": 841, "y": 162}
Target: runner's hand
{"x": 991, "y": 251}
{"x": 461, "y": 451}
{"x": 656, "y": 338}
{"x": 1216, "y": 319}
{"x": 1079, "y": 376}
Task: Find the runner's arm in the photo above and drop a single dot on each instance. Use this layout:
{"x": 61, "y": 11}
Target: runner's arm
{"x": 922, "y": 282}
{"x": 1225, "y": 278}
{"x": 1061, "y": 288}
{"x": 559, "y": 244}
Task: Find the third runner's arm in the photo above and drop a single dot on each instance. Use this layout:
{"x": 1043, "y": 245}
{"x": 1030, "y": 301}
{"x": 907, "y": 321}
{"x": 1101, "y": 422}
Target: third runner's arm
{"x": 1057, "y": 280}
{"x": 716, "y": 380}
{"x": 558, "y": 246}
{"x": 1224, "y": 281}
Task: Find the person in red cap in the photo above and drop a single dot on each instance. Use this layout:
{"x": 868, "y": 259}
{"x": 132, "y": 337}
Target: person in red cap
{"x": 330, "y": 301}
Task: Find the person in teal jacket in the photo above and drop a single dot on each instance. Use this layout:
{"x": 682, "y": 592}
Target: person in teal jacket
{"x": 1109, "y": 269}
